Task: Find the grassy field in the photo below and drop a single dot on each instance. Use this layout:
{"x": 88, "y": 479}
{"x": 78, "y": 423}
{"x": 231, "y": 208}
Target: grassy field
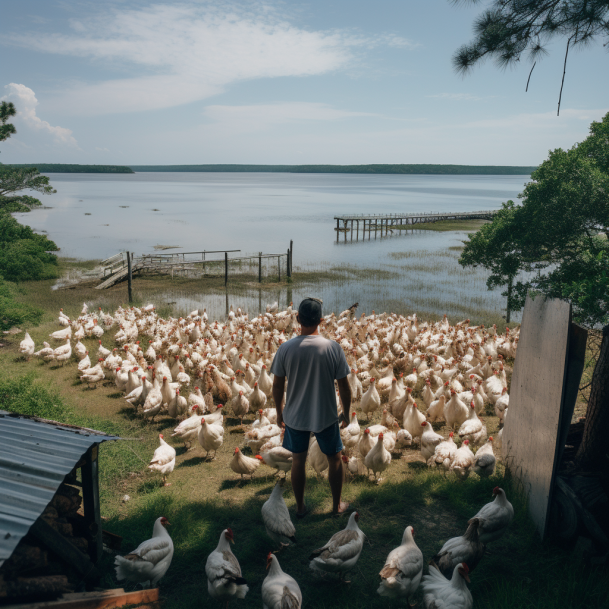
{"x": 446, "y": 225}
{"x": 206, "y": 496}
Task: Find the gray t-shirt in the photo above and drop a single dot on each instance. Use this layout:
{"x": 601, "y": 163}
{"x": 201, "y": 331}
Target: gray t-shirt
{"x": 310, "y": 363}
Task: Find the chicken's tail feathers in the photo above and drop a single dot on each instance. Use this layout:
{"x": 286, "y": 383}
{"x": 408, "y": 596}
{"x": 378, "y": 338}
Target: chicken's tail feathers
{"x": 475, "y": 521}
{"x": 315, "y": 553}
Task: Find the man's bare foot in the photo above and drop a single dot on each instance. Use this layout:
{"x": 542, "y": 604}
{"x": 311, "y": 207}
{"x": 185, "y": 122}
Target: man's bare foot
{"x": 343, "y": 506}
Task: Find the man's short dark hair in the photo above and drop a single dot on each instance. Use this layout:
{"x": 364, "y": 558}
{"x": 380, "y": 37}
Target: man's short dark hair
{"x": 309, "y": 312}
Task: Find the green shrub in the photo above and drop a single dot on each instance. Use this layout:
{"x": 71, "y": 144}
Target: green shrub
{"x": 24, "y": 255}
{"x": 14, "y": 313}
{"x": 24, "y": 396}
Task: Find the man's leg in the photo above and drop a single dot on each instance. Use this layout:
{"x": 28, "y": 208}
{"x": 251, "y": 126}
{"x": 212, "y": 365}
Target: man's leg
{"x": 299, "y": 478}
{"x": 335, "y": 477}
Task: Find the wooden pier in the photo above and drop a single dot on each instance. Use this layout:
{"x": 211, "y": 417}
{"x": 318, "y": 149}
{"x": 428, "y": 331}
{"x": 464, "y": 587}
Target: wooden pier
{"x": 383, "y": 223}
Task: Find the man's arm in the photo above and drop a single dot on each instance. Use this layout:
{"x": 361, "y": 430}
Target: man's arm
{"x": 278, "y": 388}
{"x": 345, "y": 397}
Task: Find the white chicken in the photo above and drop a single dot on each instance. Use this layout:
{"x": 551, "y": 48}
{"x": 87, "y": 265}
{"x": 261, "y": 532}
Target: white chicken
{"x": 495, "y": 517}
{"x": 378, "y": 459}
{"x": 342, "y": 552}
{"x": 484, "y": 464}
{"x": 276, "y": 518}
{"x": 316, "y": 459}
{"x": 502, "y": 404}
{"x": 455, "y": 411}
{"x": 429, "y": 440}
{"x": 163, "y": 460}
{"x": 401, "y": 575}
{"x": 413, "y": 418}
{"x": 224, "y": 579}
{"x": 473, "y": 429}
{"x": 442, "y": 593}
{"x": 278, "y": 458}
{"x": 188, "y": 429}
{"x": 371, "y": 400}
{"x": 403, "y": 439}
{"x": 27, "y": 347}
{"x": 245, "y": 466}
{"x": 150, "y": 560}
{"x": 350, "y": 434}
{"x": 211, "y": 436}
{"x": 279, "y": 590}
{"x": 444, "y": 453}
{"x": 462, "y": 461}
{"x": 468, "y": 549}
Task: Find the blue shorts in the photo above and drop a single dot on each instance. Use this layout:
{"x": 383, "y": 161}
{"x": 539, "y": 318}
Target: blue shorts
{"x": 329, "y": 440}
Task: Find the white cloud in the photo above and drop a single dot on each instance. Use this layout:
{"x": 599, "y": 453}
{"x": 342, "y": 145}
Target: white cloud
{"x": 25, "y": 102}
{"x": 188, "y": 52}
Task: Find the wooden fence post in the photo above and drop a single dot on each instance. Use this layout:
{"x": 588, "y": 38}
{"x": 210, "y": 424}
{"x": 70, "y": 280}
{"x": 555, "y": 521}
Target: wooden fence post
{"x": 288, "y": 263}
{"x": 225, "y": 268}
{"x": 259, "y": 267}
{"x": 129, "y": 277}
{"x": 278, "y": 268}
{"x": 291, "y": 255}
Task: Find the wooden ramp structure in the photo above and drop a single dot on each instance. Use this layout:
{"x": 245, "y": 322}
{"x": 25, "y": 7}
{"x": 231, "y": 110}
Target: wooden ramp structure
{"x": 122, "y": 266}
{"x": 384, "y": 223}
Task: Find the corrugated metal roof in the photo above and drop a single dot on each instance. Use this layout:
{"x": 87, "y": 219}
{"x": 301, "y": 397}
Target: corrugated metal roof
{"x": 35, "y": 457}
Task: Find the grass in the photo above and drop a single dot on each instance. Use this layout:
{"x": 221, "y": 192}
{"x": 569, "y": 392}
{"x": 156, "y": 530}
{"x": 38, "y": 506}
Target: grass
{"x": 206, "y": 497}
{"x": 445, "y": 225}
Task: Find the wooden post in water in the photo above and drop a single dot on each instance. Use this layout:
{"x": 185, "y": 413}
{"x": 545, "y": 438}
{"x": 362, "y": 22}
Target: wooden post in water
{"x": 129, "y": 277}
{"x": 259, "y": 267}
{"x": 337, "y": 231}
{"x": 357, "y": 238}
{"x": 225, "y": 268}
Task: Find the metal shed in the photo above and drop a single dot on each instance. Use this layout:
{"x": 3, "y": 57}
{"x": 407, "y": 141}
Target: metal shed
{"x": 36, "y": 456}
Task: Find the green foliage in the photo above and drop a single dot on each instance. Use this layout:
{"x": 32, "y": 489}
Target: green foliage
{"x": 13, "y": 313}
{"x": 24, "y": 254}
{"x": 24, "y": 396}
{"x": 25, "y": 178}
{"x": 402, "y": 169}
{"x": 19, "y": 203}
{"x": 509, "y": 29}
{"x": 7, "y": 109}
{"x": 73, "y": 168}
{"x": 494, "y": 248}
{"x": 559, "y": 230}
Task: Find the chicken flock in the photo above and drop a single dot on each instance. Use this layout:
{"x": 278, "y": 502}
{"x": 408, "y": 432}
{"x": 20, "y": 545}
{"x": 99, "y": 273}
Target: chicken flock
{"x": 432, "y": 384}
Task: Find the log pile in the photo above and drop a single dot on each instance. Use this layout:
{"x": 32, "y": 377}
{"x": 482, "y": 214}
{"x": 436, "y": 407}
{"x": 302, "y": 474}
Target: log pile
{"x": 36, "y": 571}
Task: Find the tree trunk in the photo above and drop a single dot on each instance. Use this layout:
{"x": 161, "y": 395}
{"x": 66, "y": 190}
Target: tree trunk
{"x": 509, "y": 300}
{"x": 593, "y": 453}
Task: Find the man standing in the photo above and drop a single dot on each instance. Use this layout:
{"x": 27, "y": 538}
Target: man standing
{"x": 312, "y": 363}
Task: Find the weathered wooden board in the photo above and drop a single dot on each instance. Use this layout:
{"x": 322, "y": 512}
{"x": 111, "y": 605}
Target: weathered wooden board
{"x": 104, "y": 599}
{"x": 531, "y": 430}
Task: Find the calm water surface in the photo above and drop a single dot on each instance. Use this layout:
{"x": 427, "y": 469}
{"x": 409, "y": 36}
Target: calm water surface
{"x": 250, "y": 211}
{"x": 94, "y": 216}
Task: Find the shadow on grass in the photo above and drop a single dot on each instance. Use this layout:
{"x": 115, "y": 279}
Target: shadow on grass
{"x": 519, "y": 573}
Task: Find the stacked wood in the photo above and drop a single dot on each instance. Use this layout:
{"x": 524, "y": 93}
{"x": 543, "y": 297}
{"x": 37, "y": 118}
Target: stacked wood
{"x": 37, "y": 569}
{"x": 31, "y": 588}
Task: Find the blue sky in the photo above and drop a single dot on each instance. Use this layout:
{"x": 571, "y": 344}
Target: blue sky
{"x": 334, "y": 81}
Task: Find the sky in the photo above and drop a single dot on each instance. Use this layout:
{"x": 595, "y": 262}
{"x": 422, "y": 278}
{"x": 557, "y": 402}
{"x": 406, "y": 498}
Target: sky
{"x": 279, "y": 82}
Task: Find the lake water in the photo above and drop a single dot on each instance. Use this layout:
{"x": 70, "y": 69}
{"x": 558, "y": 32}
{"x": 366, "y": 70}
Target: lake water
{"x": 94, "y": 216}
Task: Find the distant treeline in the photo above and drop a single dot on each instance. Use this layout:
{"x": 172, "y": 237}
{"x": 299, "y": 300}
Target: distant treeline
{"x": 64, "y": 168}
{"x": 408, "y": 169}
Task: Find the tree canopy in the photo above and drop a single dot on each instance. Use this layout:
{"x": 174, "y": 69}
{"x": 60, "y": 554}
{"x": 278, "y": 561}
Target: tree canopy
{"x": 508, "y": 30}
{"x": 559, "y": 232}
{"x": 24, "y": 255}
